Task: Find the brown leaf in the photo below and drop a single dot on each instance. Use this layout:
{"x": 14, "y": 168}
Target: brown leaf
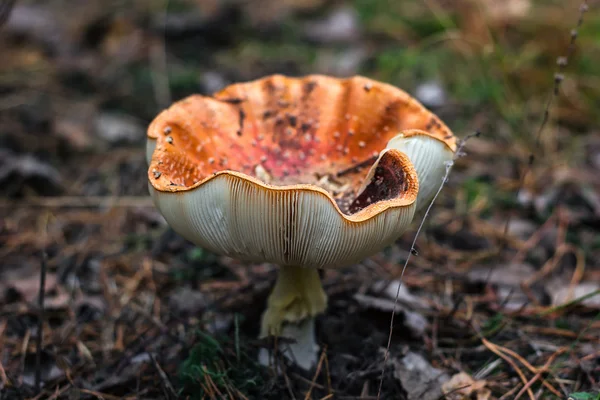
{"x": 463, "y": 386}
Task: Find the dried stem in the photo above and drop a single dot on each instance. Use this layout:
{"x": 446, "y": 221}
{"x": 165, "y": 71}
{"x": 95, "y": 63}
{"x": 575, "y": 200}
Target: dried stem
{"x": 561, "y": 62}
{"x": 449, "y": 165}
{"x": 42, "y": 293}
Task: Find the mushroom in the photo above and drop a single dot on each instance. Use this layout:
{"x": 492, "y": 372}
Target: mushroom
{"x": 306, "y": 173}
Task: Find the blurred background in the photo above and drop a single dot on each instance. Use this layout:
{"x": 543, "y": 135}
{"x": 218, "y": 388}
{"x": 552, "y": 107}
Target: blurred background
{"x": 506, "y": 276}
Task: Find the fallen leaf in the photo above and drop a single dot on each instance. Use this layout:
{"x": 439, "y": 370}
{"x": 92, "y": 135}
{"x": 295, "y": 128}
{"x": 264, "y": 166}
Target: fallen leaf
{"x": 463, "y": 386}
{"x": 26, "y": 288}
{"x": 116, "y": 128}
{"x": 185, "y": 301}
{"x": 418, "y": 377}
{"x": 20, "y": 171}
{"x": 412, "y": 320}
{"x": 48, "y": 366}
{"x": 390, "y": 289}
{"x": 511, "y": 275}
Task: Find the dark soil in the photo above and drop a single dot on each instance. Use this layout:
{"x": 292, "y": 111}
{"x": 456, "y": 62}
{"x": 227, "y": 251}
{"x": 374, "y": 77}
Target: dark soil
{"x": 503, "y": 298}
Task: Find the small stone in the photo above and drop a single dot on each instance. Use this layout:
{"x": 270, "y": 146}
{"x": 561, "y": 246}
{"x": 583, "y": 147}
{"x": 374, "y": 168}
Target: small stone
{"x": 340, "y": 26}
{"x": 520, "y": 228}
{"x": 562, "y": 293}
{"x": 511, "y": 275}
{"x": 187, "y": 301}
{"x": 418, "y": 377}
{"x": 344, "y": 63}
{"x": 415, "y": 322}
{"x": 117, "y": 128}
{"x": 212, "y": 81}
{"x": 431, "y": 94}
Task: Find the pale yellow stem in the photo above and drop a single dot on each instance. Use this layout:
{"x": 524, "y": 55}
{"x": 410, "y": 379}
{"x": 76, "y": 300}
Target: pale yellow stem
{"x": 297, "y": 295}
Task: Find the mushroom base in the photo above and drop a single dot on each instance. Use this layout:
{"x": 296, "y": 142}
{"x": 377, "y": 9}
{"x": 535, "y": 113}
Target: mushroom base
{"x": 291, "y": 309}
{"x": 304, "y": 351}
{"x": 297, "y": 295}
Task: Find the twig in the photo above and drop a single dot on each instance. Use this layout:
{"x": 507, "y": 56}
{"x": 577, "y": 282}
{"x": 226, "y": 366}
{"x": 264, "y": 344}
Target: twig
{"x": 317, "y": 372}
{"x": 167, "y": 386}
{"x": 159, "y": 68}
{"x": 539, "y": 373}
{"x": 510, "y": 392}
{"x": 3, "y": 376}
{"x": 236, "y": 323}
{"x": 449, "y": 165}
{"x": 527, "y": 365}
{"x": 494, "y": 349}
{"x": 329, "y": 396}
{"x": 104, "y": 396}
{"x": 160, "y": 81}
{"x": 38, "y": 355}
{"x": 288, "y": 385}
{"x": 562, "y": 62}
{"x": 328, "y": 376}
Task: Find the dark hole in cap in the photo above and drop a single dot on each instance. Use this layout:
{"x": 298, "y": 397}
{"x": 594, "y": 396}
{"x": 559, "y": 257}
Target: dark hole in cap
{"x": 388, "y": 181}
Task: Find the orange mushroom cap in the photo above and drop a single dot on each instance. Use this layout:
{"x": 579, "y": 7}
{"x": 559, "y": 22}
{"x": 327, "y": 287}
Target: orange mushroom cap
{"x": 293, "y": 170}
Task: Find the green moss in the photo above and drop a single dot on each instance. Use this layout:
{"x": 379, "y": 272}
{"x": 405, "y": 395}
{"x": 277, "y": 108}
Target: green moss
{"x": 561, "y": 323}
{"x": 475, "y": 188}
{"x": 226, "y": 365}
{"x": 406, "y": 67}
{"x": 493, "y": 325}
{"x": 384, "y": 16}
{"x": 196, "y": 254}
{"x": 584, "y": 396}
{"x": 183, "y": 79}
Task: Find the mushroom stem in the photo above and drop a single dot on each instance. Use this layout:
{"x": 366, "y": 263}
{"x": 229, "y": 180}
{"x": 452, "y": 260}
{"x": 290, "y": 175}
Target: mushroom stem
{"x": 297, "y": 298}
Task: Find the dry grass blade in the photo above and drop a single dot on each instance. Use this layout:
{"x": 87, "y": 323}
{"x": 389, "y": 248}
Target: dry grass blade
{"x": 105, "y": 396}
{"x": 40, "y": 332}
{"x": 539, "y": 373}
{"x": 494, "y": 349}
{"x": 3, "y": 376}
{"x": 317, "y": 372}
{"x": 530, "y": 367}
{"x": 168, "y": 387}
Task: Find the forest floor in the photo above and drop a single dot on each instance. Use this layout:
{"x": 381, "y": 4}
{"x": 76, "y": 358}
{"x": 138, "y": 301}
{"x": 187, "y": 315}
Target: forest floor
{"x": 501, "y": 298}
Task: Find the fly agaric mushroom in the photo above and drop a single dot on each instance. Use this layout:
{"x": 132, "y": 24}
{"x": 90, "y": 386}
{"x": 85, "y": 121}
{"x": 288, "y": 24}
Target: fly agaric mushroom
{"x": 307, "y": 173}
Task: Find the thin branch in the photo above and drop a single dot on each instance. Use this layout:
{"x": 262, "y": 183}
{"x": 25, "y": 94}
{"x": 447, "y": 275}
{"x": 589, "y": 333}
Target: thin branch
{"x": 559, "y": 76}
{"x": 41, "y": 295}
{"x": 459, "y": 153}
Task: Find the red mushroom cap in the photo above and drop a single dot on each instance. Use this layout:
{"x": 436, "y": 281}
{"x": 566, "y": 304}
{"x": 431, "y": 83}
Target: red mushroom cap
{"x": 287, "y": 157}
